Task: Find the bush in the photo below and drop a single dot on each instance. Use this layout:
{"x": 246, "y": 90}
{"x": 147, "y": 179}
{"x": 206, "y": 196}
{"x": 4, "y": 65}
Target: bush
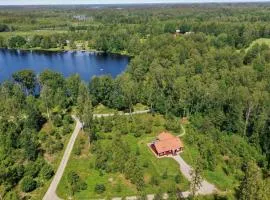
{"x": 75, "y": 182}
{"x": 43, "y": 135}
{"x": 173, "y": 124}
{"x": 52, "y": 132}
{"x": 83, "y": 185}
{"x": 67, "y": 120}
{"x": 77, "y": 150}
{"x": 12, "y": 196}
{"x": 58, "y": 146}
{"x": 46, "y": 172}
{"x": 154, "y": 180}
{"x": 177, "y": 179}
{"x": 57, "y": 120}
{"x": 28, "y": 184}
{"x": 31, "y": 169}
{"x": 100, "y": 188}
{"x": 165, "y": 174}
{"x": 66, "y": 130}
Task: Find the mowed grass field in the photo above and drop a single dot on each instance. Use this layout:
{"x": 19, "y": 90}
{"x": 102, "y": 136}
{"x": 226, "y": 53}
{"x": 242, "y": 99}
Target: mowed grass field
{"x": 116, "y": 184}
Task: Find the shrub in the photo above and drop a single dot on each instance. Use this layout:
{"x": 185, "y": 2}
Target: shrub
{"x": 31, "y": 169}
{"x": 46, "y": 172}
{"x": 67, "y": 120}
{"x": 52, "y": 132}
{"x": 28, "y": 184}
{"x": 100, "y": 188}
{"x": 66, "y": 130}
{"x": 165, "y": 174}
{"x": 57, "y": 120}
{"x": 173, "y": 124}
{"x": 77, "y": 150}
{"x": 83, "y": 185}
{"x": 12, "y": 196}
{"x": 154, "y": 180}
{"x": 75, "y": 182}
{"x": 177, "y": 179}
{"x": 145, "y": 164}
{"x": 42, "y": 135}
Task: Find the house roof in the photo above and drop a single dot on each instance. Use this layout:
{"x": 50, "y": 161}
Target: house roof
{"x": 167, "y": 142}
{"x": 165, "y": 136}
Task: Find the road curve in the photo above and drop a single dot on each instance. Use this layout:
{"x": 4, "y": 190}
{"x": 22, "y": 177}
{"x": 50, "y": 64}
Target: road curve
{"x": 51, "y": 192}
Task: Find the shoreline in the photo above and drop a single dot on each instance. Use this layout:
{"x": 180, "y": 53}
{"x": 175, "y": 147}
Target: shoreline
{"x": 57, "y": 50}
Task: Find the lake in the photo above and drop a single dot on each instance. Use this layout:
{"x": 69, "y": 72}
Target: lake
{"x": 86, "y": 64}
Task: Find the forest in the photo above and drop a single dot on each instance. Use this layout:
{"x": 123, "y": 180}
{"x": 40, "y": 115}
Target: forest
{"x": 214, "y": 72}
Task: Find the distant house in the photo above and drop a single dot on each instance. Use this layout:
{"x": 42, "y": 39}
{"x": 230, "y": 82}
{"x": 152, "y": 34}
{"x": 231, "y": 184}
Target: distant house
{"x": 177, "y": 32}
{"x": 167, "y": 144}
{"x": 80, "y": 17}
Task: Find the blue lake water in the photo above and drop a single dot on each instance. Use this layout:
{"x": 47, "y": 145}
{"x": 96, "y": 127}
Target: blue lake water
{"x": 86, "y": 64}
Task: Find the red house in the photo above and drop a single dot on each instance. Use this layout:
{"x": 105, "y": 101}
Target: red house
{"x": 167, "y": 144}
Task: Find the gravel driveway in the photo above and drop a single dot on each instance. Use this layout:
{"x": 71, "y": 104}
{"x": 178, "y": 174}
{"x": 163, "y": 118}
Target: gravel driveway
{"x": 206, "y": 187}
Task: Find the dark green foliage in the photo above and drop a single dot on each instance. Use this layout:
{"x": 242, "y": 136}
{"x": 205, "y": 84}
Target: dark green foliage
{"x": 4, "y": 28}
{"x": 120, "y": 160}
{"x": 46, "y": 171}
{"x": 12, "y": 196}
{"x": 75, "y": 182}
{"x": 165, "y": 174}
{"x": 16, "y": 42}
{"x": 251, "y": 186}
{"x": 20, "y": 139}
{"x": 177, "y": 179}
{"x": 32, "y": 169}
{"x": 27, "y": 79}
{"x": 154, "y": 180}
{"x": 100, "y": 188}
{"x": 28, "y": 184}
{"x": 57, "y": 120}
